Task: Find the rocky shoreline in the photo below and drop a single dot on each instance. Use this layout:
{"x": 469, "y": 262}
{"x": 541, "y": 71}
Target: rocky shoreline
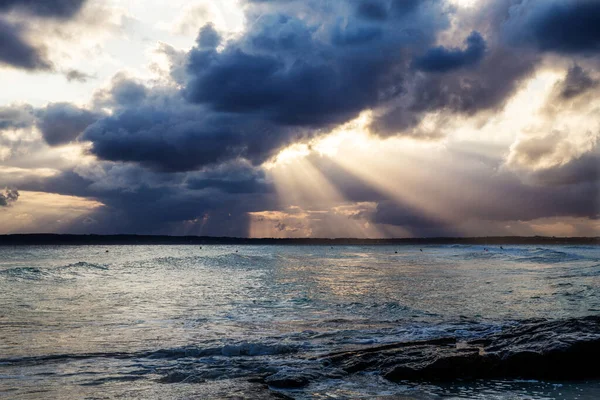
{"x": 536, "y": 349}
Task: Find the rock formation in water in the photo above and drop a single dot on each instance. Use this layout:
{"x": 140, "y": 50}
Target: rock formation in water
{"x": 551, "y": 350}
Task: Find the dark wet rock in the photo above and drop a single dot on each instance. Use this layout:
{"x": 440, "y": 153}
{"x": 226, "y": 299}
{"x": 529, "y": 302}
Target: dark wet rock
{"x": 552, "y": 350}
{"x": 287, "y": 381}
{"x": 181, "y": 377}
{"x": 291, "y": 378}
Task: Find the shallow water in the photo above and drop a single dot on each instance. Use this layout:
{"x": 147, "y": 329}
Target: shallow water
{"x": 190, "y": 321}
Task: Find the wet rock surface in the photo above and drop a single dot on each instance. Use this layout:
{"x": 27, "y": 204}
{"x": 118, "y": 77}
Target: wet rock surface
{"x": 536, "y": 349}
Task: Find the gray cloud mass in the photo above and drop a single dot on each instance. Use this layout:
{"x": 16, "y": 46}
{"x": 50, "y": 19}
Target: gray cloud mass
{"x": 190, "y": 152}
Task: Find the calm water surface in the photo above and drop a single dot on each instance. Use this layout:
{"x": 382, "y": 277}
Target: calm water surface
{"x": 193, "y": 322}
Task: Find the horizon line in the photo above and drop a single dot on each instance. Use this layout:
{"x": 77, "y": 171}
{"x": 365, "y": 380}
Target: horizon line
{"x": 294, "y": 238}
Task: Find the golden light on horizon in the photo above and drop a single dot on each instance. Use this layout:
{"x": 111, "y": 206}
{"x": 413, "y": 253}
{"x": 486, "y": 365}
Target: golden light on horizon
{"x": 309, "y": 195}
{"x": 390, "y": 166}
{"x": 45, "y": 212}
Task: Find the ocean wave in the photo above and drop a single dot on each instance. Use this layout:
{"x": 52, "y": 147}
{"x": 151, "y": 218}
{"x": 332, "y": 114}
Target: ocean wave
{"x": 229, "y": 260}
{"x": 390, "y": 310}
{"x": 82, "y": 265}
{"x": 481, "y": 255}
{"x": 545, "y": 256}
{"x": 243, "y": 349}
{"x": 51, "y": 272}
{"x": 24, "y": 273}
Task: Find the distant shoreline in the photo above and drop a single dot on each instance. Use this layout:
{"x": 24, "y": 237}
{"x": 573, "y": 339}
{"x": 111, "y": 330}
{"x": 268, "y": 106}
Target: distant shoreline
{"x": 60, "y": 239}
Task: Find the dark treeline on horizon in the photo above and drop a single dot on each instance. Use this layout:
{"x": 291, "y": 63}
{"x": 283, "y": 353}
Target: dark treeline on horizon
{"x": 60, "y": 239}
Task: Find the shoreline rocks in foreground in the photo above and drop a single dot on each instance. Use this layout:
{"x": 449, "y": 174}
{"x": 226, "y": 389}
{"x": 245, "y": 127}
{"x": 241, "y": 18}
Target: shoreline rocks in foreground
{"x": 548, "y": 350}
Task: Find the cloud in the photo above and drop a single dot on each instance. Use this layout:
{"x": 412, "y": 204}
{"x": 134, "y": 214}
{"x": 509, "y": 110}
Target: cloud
{"x": 208, "y": 38}
{"x": 74, "y": 75}
{"x": 167, "y": 134}
{"x": 582, "y": 169}
{"x": 566, "y": 27}
{"x": 15, "y": 48}
{"x": 372, "y": 10}
{"x": 294, "y": 75}
{"x": 441, "y": 59}
{"x": 16, "y": 117}
{"x": 189, "y": 22}
{"x": 379, "y": 10}
{"x": 61, "y": 123}
{"x": 542, "y": 151}
{"x": 290, "y": 77}
{"x": 8, "y": 197}
{"x": 236, "y": 178}
{"x": 464, "y": 92}
{"x": 419, "y": 223}
{"x": 123, "y": 91}
{"x": 577, "y": 82}
{"x": 131, "y": 194}
{"x": 301, "y": 72}
{"x": 62, "y": 9}
{"x": 557, "y": 159}
{"x": 188, "y": 149}
{"x": 17, "y": 52}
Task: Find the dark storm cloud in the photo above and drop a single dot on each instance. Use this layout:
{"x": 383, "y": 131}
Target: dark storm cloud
{"x": 585, "y": 168}
{"x": 289, "y": 78}
{"x": 379, "y": 10}
{"x": 466, "y": 92}
{"x": 237, "y": 177}
{"x": 8, "y": 197}
{"x": 284, "y": 80}
{"x": 208, "y": 37}
{"x": 43, "y": 8}
{"x": 140, "y": 201}
{"x": 498, "y": 71}
{"x": 372, "y": 9}
{"x": 442, "y": 59}
{"x": 15, "y": 48}
{"x": 61, "y": 123}
{"x": 128, "y": 92}
{"x": 295, "y": 72}
{"x": 577, "y": 82}
{"x": 569, "y": 27}
{"x": 170, "y": 135}
{"x": 17, "y": 52}
{"x": 300, "y": 94}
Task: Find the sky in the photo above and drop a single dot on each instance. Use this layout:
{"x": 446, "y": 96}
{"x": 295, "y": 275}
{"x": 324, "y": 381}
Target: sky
{"x": 289, "y": 118}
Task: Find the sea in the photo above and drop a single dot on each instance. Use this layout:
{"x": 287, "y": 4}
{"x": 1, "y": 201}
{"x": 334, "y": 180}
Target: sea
{"x": 211, "y": 321}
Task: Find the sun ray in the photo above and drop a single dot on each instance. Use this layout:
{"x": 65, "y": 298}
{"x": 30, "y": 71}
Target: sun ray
{"x": 311, "y": 199}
